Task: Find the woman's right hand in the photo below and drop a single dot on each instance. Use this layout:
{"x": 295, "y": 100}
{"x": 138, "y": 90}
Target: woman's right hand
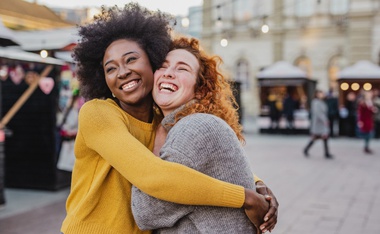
{"x": 256, "y": 207}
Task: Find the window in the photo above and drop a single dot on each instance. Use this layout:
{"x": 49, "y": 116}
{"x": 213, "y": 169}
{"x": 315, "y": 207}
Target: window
{"x": 339, "y": 7}
{"x": 242, "y": 74}
{"x": 243, "y": 10}
{"x": 304, "y": 8}
{"x": 305, "y": 64}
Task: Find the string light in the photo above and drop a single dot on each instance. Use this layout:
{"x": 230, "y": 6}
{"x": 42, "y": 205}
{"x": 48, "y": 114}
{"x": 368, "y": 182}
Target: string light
{"x": 185, "y": 22}
{"x": 224, "y": 42}
{"x": 43, "y": 53}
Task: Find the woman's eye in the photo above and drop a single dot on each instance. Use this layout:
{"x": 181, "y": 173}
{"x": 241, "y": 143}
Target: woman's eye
{"x": 130, "y": 59}
{"x": 182, "y": 69}
{"x": 109, "y": 69}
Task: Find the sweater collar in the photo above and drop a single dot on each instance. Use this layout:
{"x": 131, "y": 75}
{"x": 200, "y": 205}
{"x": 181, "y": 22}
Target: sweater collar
{"x": 169, "y": 120}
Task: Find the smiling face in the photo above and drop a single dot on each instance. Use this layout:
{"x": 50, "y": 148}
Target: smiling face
{"x": 128, "y": 73}
{"x": 174, "y": 82}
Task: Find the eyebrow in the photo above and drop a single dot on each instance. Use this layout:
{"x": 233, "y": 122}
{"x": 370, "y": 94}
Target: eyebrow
{"x": 130, "y": 52}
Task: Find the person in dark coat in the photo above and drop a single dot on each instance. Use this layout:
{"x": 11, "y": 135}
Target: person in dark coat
{"x": 290, "y": 105}
{"x": 332, "y": 110}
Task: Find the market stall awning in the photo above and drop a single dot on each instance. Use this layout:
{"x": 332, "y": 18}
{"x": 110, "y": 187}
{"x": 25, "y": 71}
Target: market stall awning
{"x": 7, "y": 37}
{"x": 282, "y": 73}
{"x": 53, "y": 39}
{"x": 20, "y": 55}
{"x": 282, "y": 69}
{"x": 361, "y": 70}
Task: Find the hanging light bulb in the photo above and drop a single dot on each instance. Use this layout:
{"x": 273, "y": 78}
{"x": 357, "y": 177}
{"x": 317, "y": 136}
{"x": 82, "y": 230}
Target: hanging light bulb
{"x": 224, "y": 42}
{"x": 43, "y": 53}
{"x": 265, "y": 28}
{"x": 185, "y": 22}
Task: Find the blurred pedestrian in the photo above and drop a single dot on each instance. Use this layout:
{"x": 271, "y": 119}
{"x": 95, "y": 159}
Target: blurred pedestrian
{"x": 275, "y": 110}
{"x": 350, "y": 121}
{"x": 319, "y": 128}
{"x": 289, "y": 106}
{"x": 376, "y": 103}
{"x": 365, "y": 121}
{"x": 332, "y": 110}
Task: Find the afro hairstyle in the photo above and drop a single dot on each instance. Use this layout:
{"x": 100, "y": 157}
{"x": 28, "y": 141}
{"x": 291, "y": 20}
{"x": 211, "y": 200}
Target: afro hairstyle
{"x": 150, "y": 29}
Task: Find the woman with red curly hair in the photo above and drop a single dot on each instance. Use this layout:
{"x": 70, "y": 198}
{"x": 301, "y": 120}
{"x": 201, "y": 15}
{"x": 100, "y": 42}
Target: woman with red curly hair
{"x": 204, "y": 134}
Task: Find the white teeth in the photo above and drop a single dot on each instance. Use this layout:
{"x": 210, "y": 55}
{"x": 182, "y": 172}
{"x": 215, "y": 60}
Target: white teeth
{"x": 129, "y": 85}
{"x": 168, "y": 86}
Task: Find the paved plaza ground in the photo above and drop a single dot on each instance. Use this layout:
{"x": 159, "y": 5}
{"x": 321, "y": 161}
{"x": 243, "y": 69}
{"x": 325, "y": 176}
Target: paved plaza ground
{"x": 316, "y": 195}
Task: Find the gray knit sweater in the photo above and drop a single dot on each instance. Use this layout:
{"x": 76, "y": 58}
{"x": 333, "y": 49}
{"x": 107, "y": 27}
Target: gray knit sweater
{"x": 205, "y": 143}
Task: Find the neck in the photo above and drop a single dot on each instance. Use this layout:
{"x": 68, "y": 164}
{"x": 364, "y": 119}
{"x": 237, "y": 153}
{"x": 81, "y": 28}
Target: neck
{"x": 142, "y": 111}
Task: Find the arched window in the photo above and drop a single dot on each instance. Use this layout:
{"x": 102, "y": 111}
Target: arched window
{"x": 339, "y": 7}
{"x": 242, "y": 74}
{"x": 304, "y": 8}
{"x": 336, "y": 64}
{"x": 305, "y": 64}
{"x": 243, "y": 10}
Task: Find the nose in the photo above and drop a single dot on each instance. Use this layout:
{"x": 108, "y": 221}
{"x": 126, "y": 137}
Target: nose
{"x": 169, "y": 73}
{"x": 124, "y": 71}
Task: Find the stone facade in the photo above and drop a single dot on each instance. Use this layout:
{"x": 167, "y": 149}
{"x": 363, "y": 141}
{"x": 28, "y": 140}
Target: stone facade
{"x": 321, "y": 37}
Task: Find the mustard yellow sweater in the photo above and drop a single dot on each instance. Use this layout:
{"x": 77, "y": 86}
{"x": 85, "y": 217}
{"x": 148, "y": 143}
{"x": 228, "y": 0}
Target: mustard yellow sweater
{"x": 112, "y": 152}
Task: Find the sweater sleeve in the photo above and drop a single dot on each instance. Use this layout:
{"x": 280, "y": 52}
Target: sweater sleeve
{"x": 152, "y": 213}
{"x": 103, "y": 127}
{"x": 199, "y": 142}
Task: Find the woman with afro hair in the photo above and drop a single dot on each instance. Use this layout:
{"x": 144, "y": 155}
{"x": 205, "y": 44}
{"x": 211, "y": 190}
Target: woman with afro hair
{"x": 204, "y": 134}
{"x": 116, "y": 57}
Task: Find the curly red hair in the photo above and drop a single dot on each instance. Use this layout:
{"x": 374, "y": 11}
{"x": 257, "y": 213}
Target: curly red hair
{"x": 212, "y": 90}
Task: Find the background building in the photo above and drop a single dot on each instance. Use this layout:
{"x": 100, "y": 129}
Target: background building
{"x": 321, "y": 37}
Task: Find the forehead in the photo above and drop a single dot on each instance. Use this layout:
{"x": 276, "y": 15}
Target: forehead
{"x": 182, "y": 56}
{"x": 122, "y": 46}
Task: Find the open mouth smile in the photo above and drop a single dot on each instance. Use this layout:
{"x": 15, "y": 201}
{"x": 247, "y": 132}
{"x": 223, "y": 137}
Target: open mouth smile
{"x": 168, "y": 86}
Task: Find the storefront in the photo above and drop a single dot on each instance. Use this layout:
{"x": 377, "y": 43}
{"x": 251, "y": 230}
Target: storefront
{"x": 28, "y": 115}
{"x": 285, "y": 94}
{"x": 363, "y": 75}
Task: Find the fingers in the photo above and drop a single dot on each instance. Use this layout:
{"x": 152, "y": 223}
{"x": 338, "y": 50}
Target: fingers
{"x": 270, "y": 220}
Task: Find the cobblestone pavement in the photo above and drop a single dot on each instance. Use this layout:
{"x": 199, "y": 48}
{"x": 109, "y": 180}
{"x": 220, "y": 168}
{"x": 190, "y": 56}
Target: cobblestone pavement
{"x": 316, "y": 195}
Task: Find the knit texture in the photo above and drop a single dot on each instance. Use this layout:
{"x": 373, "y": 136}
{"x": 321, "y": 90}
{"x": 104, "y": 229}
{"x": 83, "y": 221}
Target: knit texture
{"x": 111, "y": 154}
{"x": 207, "y": 144}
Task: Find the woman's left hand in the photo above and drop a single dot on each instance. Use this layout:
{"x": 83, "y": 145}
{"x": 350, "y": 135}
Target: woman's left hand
{"x": 270, "y": 219}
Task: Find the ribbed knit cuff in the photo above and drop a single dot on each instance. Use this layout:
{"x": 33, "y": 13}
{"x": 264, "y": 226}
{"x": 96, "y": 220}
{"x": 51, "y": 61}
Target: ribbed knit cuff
{"x": 233, "y": 196}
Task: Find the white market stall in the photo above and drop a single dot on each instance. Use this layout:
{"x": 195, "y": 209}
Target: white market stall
{"x": 363, "y": 75}
{"x": 282, "y": 79}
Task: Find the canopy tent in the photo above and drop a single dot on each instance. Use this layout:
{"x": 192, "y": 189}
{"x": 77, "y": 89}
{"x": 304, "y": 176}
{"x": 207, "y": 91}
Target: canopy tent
{"x": 361, "y": 70}
{"x": 283, "y": 80}
{"x": 281, "y": 73}
{"x": 7, "y": 37}
{"x": 281, "y": 69}
{"x": 285, "y": 74}
{"x": 54, "y": 39}
{"x": 363, "y": 74}
{"x": 14, "y": 53}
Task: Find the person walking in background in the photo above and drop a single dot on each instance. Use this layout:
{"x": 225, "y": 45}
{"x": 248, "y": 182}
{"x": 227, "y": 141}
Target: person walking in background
{"x": 332, "y": 110}
{"x": 319, "y": 128}
{"x": 350, "y": 104}
{"x": 376, "y": 103}
{"x": 289, "y": 106}
{"x": 365, "y": 121}
{"x": 275, "y": 109}
{"x": 203, "y": 133}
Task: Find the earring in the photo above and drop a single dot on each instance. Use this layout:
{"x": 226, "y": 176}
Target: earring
{"x": 113, "y": 95}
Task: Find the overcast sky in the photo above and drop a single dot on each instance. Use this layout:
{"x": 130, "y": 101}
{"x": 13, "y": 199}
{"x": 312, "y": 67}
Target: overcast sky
{"x": 175, "y": 7}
